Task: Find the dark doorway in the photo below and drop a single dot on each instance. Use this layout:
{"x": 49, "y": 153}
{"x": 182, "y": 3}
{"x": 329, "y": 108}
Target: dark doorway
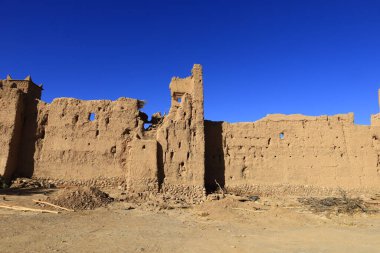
{"x": 160, "y": 165}
{"x": 214, "y": 157}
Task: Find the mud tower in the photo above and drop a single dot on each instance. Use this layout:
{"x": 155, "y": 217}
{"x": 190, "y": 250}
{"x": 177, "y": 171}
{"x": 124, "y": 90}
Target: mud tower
{"x": 18, "y": 114}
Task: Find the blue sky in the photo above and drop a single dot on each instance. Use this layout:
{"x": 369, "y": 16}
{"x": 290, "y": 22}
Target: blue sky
{"x": 259, "y": 57}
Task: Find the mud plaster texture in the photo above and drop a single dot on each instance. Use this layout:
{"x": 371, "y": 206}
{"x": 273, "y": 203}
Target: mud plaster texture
{"x": 89, "y": 142}
{"x": 324, "y": 151}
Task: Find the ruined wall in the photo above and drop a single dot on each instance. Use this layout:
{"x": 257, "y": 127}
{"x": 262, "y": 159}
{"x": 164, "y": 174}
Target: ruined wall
{"x": 19, "y": 118}
{"x": 72, "y": 139}
{"x": 375, "y": 120}
{"x": 141, "y": 172}
{"x": 170, "y": 156}
{"x": 325, "y": 151}
{"x": 181, "y": 144}
{"x": 31, "y": 99}
{"x": 11, "y": 119}
{"x": 62, "y": 141}
{"x": 86, "y": 139}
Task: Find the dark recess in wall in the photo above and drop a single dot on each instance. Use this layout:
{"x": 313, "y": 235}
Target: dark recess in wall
{"x": 214, "y": 158}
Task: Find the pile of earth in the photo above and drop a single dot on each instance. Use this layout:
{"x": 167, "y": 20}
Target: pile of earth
{"x": 81, "y": 198}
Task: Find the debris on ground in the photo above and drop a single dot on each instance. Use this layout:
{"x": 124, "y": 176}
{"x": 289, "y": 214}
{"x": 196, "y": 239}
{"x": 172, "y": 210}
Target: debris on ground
{"x": 337, "y": 205}
{"x": 44, "y": 203}
{"x": 30, "y": 183}
{"x": 3, "y": 184}
{"x": 249, "y": 198}
{"x": 25, "y": 209}
{"x": 253, "y": 198}
{"x": 155, "y": 202}
{"x": 81, "y": 198}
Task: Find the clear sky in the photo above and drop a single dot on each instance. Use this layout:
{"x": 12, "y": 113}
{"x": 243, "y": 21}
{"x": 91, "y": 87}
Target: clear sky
{"x": 259, "y": 57}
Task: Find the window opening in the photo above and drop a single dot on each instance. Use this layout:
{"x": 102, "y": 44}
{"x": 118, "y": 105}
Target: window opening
{"x": 91, "y": 116}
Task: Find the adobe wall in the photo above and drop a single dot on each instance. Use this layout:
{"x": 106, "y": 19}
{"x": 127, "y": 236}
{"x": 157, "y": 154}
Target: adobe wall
{"x": 31, "y": 98}
{"x": 73, "y": 146}
{"x": 11, "y": 119}
{"x": 60, "y": 141}
{"x": 169, "y": 156}
{"x": 25, "y": 166}
{"x": 180, "y": 153}
{"x": 324, "y": 151}
{"x": 19, "y": 110}
{"x": 141, "y": 174}
{"x": 181, "y": 143}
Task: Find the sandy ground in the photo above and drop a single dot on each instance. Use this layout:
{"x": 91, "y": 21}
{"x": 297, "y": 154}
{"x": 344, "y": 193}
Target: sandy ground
{"x": 227, "y": 225}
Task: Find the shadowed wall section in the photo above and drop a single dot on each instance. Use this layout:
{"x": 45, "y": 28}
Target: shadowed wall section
{"x": 11, "y": 120}
{"x": 214, "y": 159}
{"x": 19, "y": 102}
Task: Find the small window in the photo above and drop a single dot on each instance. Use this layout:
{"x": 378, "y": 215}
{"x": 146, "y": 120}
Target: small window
{"x": 179, "y": 100}
{"x": 91, "y": 116}
{"x": 282, "y": 136}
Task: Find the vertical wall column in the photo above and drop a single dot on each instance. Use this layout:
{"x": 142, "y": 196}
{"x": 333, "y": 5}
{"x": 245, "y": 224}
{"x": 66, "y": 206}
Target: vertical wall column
{"x": 11, "y": 120}
{"x": 181, "y": 141}
{"x": 142, "y": 166}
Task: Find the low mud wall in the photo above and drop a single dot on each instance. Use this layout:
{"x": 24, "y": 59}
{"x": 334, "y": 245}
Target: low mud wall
{"x": 324, "y": 151}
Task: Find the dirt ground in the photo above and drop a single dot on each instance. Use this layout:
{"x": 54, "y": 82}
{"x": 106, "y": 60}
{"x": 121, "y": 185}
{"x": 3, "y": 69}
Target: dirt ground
{"x": 270, "y": 224}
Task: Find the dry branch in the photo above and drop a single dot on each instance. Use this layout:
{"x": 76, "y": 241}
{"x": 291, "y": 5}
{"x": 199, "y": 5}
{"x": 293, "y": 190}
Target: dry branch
{"x": 21, "y": 208}
{"x": 50, "y": 204}
{"x": 220, "y": 188}
{"x": 249, "y": 210}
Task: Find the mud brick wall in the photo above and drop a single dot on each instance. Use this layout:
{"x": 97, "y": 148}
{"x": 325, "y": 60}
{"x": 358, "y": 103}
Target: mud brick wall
{"x": 142, "y": 166}
{"x": 86, "y": 139}
{"x": 11, "y": 120}
{"x": 21, "y": 162}
{"x": 181, "y": 153}
{"x": 326, "y": 151}
{"x": 181, "y": 143}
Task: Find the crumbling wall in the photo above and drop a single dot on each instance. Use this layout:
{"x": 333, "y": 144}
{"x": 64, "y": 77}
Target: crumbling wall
{"x": 142, "y": 166}
{"x": 181, "y": 144}
{"x": 375, "y": 120}
{"x": 180, "y": 153}
{"x": 25, "y": 166}
{"x": 11, "y": 120}
{"x": 23, "y": 94}
{"x": 31, "y": 93}
{"x": 325, "y": 151}
{"x": 86, "y": 139}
